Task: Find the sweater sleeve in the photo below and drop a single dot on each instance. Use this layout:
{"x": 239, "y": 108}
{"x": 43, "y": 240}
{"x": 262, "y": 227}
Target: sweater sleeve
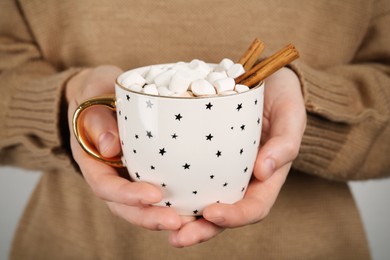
{"x": 348, "y": 131}
{"x": 30, "y": 105}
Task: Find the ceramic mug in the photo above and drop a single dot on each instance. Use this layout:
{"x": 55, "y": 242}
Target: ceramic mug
{"x": 197, "y": 150}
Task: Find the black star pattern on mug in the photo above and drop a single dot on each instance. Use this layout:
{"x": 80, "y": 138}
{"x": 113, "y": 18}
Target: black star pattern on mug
{"x": 149, "y": 134}
{"x": 149, "y": 104}
{"x": 162, "y": 151}
{"x": 209, "y": 137}
{"x": 233, "y": 128}
{"x": 128, "y": 97}
{"x": 178, "y": 117}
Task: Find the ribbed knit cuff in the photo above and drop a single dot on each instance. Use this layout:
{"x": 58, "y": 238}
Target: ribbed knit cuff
{"x": 347, "y": 111}
{"x": 327, "y": 96}
{"x": 32, "y": 116}
{"x": 327, "y": 104}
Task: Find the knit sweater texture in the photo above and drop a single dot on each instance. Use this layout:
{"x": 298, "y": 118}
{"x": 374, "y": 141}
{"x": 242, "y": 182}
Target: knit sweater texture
{"x": 344, "y": 70}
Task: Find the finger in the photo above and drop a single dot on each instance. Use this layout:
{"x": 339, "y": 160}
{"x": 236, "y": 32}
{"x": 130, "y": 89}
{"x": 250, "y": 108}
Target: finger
{"x": 101, "y": 127}
{"x": 100, "y": 123}
{"x": 194, "y": 233}
{"x": 108, "y": 186}
{"x": 254, "y": 207}
{"x": 150, "y": 217}
{"x": 106, "y": 183}
{"x": 187, "y": 219}
{"x": 275, "y": 153}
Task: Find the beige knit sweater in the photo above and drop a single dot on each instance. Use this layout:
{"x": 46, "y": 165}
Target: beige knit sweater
{"x": 345, "y": 73}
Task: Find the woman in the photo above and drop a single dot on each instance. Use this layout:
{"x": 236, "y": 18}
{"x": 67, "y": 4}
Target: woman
{"x": 52, "y": 57}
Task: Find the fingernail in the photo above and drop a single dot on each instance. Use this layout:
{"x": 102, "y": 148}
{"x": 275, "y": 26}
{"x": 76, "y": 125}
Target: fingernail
{"x": 148, "y": 202}
{"x": 106, "y": 141}
{"x": 269, "y": 167}
{"x": 173, "y": 239}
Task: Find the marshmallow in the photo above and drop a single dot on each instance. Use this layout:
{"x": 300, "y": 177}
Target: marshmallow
{"x": 164, "y": 78}
{"x": 225, "y": 84}
{"x": 152, "y": 73}
{"x": 196, "y": 74}
{"x": 224, "y": 65}
{"x": 180, "y": 81}
{"x": 181, "y": 65}
{"x": 133, "y": 79}
{"x": 200, "y": 66}
{"x": 202, "y": 87}
{"x": 235, "y": 70}
{"x": 136, "y": 88}
{"x": 164, "y": 91}
{"x": 150, "y": 89}
{"x": 241, "y": 88}
{"x": 213, "y": 76}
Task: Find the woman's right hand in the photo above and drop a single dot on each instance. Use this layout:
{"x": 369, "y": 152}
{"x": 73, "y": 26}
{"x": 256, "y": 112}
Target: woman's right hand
{"x": 128, "y": 200}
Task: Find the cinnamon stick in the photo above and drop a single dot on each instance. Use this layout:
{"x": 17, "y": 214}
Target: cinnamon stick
{"x": 253, "y": 58}
{"x": 263, "y": 63}
{"x": 268, "y": 66}
{"x": 251, "y": 55}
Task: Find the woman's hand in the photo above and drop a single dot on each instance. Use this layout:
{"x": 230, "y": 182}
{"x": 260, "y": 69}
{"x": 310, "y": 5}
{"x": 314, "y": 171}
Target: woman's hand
{"x": 284, "y": 122}
{"x": 128, "y": 200}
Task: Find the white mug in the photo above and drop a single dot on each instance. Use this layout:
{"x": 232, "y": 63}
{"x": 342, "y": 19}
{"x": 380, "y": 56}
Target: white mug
{"x": 197, "y": 150}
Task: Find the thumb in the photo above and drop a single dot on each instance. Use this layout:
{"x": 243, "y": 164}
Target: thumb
{"x": 275, "y": 153}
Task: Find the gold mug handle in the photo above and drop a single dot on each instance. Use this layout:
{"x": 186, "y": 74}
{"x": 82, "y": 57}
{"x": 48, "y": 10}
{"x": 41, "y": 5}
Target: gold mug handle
{"x": 79, "y": 131}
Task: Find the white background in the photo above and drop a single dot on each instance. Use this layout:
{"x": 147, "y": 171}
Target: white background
{"x": 372, "y": 199}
